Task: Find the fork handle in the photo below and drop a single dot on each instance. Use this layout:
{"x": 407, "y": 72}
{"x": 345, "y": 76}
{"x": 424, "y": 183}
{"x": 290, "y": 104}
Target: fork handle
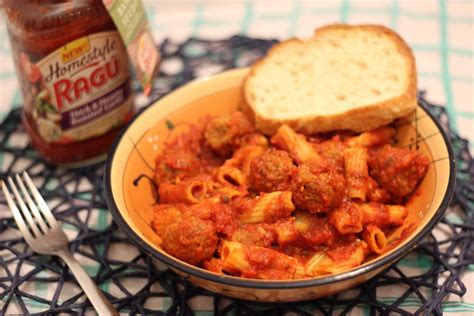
{"x": 94, "y": 294}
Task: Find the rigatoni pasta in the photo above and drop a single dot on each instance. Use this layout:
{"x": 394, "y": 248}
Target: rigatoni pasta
{"x": 376, "y": 137}
{"x": 356, "y": 172}
{"x": 189, "y": 191}
{"x": 382, "y": 214}
{"x": 236, "y": 202}
{"x": 295, "y": 144}
{"x": 375, "y": 238}
{"x": 347, "y": 218}
{"x": 268, "y": 208}
{"x": 323, "y": 263}
{"x": 246, "y": 260}
{"x": 227, "y": 175}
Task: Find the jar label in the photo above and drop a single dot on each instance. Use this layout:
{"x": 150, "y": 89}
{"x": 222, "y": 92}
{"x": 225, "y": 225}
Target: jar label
{"x": 83, "y": 88}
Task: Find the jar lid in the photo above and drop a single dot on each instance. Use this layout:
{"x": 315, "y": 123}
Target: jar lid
{"x": 35, "y": 15}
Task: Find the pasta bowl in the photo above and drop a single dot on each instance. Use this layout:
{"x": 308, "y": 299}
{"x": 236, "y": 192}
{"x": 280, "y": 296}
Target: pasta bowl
{"x": 131, "y": 192}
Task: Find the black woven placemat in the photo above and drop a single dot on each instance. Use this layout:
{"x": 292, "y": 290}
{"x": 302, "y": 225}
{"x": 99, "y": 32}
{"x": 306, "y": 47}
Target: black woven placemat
{"x": 30, "y": 283}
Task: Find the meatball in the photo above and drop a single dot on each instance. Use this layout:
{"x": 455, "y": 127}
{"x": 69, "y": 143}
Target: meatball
{"x": 223, "y": 219}
{"x": 190, "y": 239}
{"x": 271, "y": 171}
{"x": 317, "y": 188}
{"x": 222, "y": 132}
{"x": 175, "y": 163}
{"x": 165, "y": 215}
{"x": 220, "y": 214}
{"x": 346, "y": 218}
{"x": 260, "y": 234}
{"x": 398, "y": 170}
{"x": 333, "y": 151}
{"x": 377, "y": 194}
{"x": 315, "y": 230}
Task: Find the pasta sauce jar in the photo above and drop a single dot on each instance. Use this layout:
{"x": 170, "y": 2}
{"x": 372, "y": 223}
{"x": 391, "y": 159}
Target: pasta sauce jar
{"x": 74, "y": 76}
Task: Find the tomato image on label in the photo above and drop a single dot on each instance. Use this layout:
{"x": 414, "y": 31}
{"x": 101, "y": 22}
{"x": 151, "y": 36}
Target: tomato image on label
{"x": 31, "y": 71}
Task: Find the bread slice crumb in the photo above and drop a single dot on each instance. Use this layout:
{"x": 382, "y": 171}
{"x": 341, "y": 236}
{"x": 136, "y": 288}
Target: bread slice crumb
{"x": 346, "y": 77}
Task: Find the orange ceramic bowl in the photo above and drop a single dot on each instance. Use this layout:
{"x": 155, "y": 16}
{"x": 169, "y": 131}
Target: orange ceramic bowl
{"x": 130, "y": 196}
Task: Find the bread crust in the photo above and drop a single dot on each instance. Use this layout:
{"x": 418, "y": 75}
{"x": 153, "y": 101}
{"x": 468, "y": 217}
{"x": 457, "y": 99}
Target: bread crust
{"x": 359, "y": 119}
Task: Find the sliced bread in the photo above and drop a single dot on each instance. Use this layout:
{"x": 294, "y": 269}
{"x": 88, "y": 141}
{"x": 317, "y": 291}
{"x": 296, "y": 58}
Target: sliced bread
{"x": 345, "y": 77}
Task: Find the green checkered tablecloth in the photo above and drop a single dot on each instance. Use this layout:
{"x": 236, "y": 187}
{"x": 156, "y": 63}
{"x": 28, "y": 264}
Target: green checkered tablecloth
{"x": 439, "y": 32}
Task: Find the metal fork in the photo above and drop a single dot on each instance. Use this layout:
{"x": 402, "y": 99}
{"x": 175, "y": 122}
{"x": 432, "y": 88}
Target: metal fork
{"x": 44, "y": 235}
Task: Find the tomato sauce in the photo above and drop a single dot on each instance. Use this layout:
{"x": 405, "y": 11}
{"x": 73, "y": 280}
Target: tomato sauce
{"x": 307, "y": 227}
{"x": 269, "y": 264}
{"x": 73, "y": 72}
{"x": 343, "y": 249}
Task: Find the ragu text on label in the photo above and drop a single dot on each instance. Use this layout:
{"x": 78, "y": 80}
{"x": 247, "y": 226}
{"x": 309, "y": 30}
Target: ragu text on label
{"x": 68, "y": 90}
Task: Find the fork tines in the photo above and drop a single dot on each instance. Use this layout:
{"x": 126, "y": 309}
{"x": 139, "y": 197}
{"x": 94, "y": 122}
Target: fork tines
{"x": 36, "y": 212}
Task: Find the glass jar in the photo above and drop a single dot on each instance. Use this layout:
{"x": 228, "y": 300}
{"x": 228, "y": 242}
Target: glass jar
{"x": 73, "y": 72}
